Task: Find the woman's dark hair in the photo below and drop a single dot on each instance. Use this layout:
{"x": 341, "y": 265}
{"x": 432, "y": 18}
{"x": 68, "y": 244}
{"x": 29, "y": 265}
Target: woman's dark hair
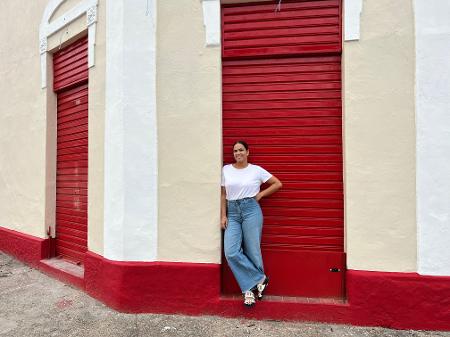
{"x": 243, "y": 143}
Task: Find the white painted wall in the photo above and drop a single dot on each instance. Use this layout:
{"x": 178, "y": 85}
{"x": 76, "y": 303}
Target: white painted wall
{"x": 432, "y": 24}
{"x": 130, "y": 212}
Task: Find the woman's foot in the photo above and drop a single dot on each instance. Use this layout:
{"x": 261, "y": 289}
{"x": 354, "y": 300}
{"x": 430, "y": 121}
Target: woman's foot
{"x": 261, "y": 287}
{"x": 249, "y": 298}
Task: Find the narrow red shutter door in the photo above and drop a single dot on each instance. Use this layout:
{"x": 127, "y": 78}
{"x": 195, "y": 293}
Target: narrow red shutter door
{"x": 70, "y": 82}
{"x": 282, "y": 94}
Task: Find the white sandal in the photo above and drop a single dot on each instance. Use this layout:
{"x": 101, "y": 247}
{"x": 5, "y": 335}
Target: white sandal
{"x": 249, "y": 298}
{"x": 261, "y": 287}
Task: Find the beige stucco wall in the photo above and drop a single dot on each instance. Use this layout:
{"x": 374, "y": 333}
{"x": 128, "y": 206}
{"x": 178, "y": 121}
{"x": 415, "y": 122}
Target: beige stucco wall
{"x": 22, "y": 119}
{"x": 189, "y": 135}
{"x": 379, "y": 135}
{"x": 28, "y": 121}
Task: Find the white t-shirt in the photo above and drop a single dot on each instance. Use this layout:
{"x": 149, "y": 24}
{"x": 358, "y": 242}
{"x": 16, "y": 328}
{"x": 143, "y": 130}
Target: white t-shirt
{"x": 243, "y": 183}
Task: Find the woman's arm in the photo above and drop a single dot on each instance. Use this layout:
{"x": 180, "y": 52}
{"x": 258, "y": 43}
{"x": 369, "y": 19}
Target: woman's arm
{"x": 274, "y": 185}
{"x": 223, "y": 209}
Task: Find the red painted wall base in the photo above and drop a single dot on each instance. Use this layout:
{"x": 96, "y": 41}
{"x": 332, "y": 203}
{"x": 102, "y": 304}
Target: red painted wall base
{"x": 395, "y": 300}
{"x": 162, "y": 287}
{"x": 27, "y": 248}
{"x": 399, "y": 300}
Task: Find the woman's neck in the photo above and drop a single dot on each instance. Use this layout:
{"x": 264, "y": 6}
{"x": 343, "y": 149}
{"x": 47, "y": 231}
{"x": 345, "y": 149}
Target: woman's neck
{"x": 240, "y": 165}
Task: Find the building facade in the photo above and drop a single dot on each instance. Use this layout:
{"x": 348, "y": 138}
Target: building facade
{"x": 113, "y": 184}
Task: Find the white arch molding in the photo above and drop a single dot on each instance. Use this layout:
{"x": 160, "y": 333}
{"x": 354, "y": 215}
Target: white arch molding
{"x": 47, "y": 28}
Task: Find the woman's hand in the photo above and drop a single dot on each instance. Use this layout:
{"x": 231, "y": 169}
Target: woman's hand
{"x": 223, "y": 222}
{"x": 258, "y": 197}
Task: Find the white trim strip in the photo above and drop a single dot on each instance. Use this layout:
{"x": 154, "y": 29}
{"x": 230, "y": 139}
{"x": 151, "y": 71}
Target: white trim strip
{"x": 43, "y": 70}
{"x": 91, "y": 45}
{"x": 352, "y": 18}
{"x": 211, "y": 21}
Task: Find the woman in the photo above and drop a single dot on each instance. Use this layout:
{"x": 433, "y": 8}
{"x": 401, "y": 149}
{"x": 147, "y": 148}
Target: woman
{"x": 242, "y": 220}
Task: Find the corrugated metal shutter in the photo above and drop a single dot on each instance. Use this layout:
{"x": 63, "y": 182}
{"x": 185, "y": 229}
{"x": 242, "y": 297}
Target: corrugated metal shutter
{"x": 70, "y": 65}
{"x": 72, "y": 152}
{"x": 289, "y": 111}
{"x": 300, "y": 27}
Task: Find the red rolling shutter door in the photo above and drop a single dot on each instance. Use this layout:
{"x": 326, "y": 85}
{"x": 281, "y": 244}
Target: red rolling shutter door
{"x": 70, "y": 83}
{"x": 282, "y": 93}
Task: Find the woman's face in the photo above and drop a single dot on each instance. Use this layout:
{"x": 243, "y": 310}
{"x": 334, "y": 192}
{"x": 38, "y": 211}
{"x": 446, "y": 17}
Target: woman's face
{"x": 240, "y": 153}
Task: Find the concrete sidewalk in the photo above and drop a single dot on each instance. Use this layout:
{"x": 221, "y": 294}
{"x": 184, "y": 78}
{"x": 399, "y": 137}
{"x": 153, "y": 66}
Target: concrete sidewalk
{"x": 32, "y": 304}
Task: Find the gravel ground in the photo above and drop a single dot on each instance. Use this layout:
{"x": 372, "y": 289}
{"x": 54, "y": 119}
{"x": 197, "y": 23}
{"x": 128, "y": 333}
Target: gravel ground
{"x": 32, "y": 304}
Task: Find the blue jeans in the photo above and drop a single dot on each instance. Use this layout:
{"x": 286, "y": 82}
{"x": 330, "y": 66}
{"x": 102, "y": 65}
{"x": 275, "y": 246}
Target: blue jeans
{"x": 242, "y": 242}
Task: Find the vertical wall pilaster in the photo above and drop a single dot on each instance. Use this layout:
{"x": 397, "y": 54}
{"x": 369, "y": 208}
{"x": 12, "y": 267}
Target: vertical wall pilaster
{"x": 432, "y": 26}
{"x": 130, "y": 212}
